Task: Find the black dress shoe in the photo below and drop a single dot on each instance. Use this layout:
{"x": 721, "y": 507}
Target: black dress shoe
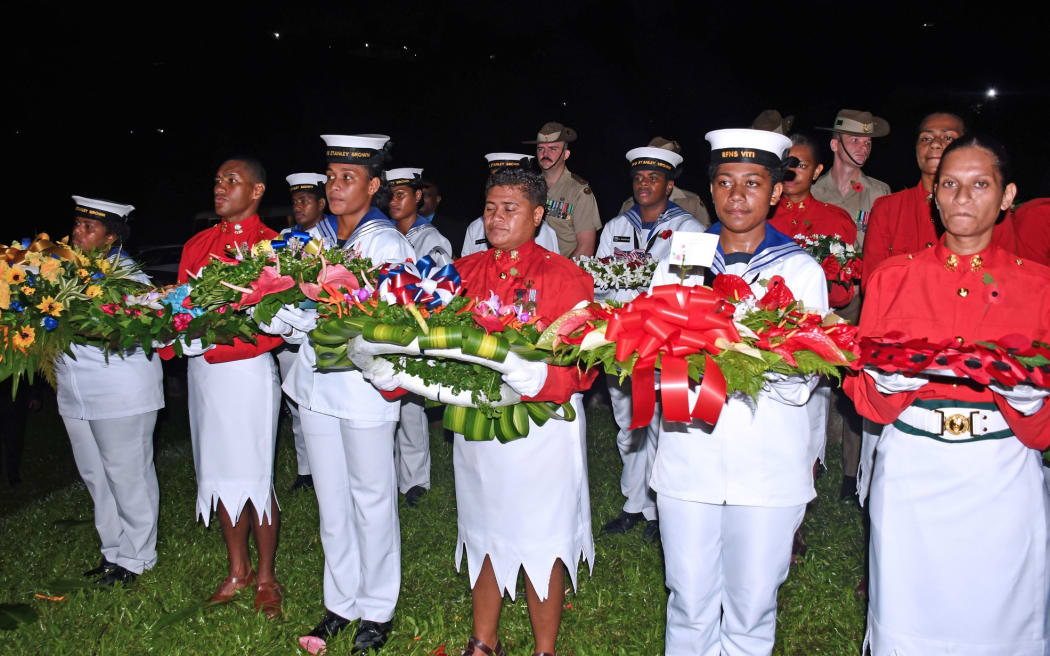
{"x": 315, "y": 641}
{"x": 371, "y": 635}
{"x": 622, "y": 523}
{"x": 330, "y": 625}
{"x": 414, "y": 494}
{"x": 117, "y": 575}
{"x": 303, "y": 482}
{"x": 652, "y": 530}
{"x": 105, "y": 567}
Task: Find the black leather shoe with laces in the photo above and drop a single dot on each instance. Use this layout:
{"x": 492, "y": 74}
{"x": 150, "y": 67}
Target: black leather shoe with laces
{"x": 371, "y": 635}
{"x": 117, "y": 575}
{"x": 105, "y": 567}
{"x": 622, "y": 523}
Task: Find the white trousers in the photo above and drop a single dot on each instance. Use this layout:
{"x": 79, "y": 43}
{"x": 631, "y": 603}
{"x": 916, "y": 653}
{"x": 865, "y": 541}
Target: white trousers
{"x": 115, "y": 459}
{"x": 356, "y": 487}
{"x": 285, "y": 359}
{"x": 412, "y": 446}
{"x": 637, "y": 450}
{"x": 724, "y": 565}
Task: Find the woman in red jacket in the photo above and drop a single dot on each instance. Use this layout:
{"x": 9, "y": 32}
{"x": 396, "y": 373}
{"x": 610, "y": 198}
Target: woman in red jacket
{"x": 960, "y": 545}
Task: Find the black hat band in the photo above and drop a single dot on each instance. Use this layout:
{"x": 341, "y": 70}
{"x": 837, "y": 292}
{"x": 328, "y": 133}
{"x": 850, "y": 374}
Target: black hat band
{"x": 651, "y": 163}
{"x": 363, "y": 156}
{"x": 747, "y": 156}
{"x": 81, "y": 212}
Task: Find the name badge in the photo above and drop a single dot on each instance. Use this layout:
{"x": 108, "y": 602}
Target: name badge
{"x": 480, "y": 241}
{"x": 623, "y": 238}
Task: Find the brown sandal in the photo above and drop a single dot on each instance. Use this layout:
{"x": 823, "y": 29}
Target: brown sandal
{"x": 268, "y": 599}
{"x": 230, "y": 586}
{"x": 475, "y": 647}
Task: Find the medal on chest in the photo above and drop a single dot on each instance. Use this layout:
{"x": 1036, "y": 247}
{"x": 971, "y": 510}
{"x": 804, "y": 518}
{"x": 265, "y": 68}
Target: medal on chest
{"x": 558, "y": 209}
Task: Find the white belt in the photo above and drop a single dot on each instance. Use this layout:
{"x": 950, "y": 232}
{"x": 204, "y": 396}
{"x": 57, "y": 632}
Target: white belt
{"x": 954, "y": 424}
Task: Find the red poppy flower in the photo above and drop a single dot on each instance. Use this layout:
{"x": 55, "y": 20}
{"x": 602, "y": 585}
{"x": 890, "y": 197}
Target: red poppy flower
{"x": 666, "y": 234}
{"x": 858, "y": 187}
{"x": 992, "y": 295}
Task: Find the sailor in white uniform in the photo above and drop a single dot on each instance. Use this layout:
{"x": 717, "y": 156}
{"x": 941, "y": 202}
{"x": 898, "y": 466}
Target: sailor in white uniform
{"x": 109, "y": 407}
{"x": 474, "y": 239}
{"x": 647, "y": 225}
{"x": 349, "y": 425}
{"x": 308, "y": 207}
{"x": 412, "y": 439}
{"x": 731, "y": 495}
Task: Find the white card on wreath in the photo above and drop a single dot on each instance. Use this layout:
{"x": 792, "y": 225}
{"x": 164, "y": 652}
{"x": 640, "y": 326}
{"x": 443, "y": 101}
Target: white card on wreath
{"x": 693, "y": 248}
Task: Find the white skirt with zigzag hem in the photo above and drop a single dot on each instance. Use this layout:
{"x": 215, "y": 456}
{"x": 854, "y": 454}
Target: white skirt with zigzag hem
{"x": 233, "y": 427}
{"x": 525, "y": 504}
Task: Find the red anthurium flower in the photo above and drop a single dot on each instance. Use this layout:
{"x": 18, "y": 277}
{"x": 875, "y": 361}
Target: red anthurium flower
{"x": 777, "y": 295}
{"x": 269, "y": 282}
{"x": 731, "y": 287}
{"x": 832, "y": 268}
{"x": 335, "y": 275}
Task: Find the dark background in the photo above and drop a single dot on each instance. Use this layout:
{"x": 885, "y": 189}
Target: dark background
{"x": 140, "y": 103}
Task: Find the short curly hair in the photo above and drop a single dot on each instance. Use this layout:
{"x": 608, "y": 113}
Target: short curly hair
{"x": 531, "y": 183}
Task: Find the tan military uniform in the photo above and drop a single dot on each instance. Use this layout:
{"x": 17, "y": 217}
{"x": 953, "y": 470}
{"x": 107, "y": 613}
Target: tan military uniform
{"x": 688, "y": 200}
{"x": 843, "y": 422}
{"x": 856, "y": 203}
{"x": 571, "y": 208}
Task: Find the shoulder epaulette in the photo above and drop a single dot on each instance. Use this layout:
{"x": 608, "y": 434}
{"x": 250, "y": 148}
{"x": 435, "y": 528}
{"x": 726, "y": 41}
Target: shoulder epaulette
{"x": 579, "y": 179}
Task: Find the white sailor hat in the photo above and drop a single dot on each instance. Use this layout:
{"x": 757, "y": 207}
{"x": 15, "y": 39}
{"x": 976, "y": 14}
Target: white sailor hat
{"x": 353, "y": 148}
{"x": 653, "y": 159}
{"x": 306, "y": 182}
{"x": 100, "y": 210}
{"x": 745, "y": 145}
{"x": 499, "y": 161}
{"x": 396, "y": 177}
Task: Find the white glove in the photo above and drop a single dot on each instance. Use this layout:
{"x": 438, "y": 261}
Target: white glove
{"x": 195, "y": 348}
{"x": 301, "y": 320}
{"x": 159, "y": 345}
{"x": 1024, "y": 398}
{"x": 275, "y": 327}
{"x": 523, "y": 376}
{"x": 791, "y": 390}
{"x": 896, "y": 382}
{"x": 526, "y": 378}
{"x": 381, "y": 374}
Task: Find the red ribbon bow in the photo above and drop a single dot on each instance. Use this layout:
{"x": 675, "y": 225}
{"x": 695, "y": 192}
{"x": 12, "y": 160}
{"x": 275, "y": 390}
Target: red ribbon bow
{"x": 672, "y": 322}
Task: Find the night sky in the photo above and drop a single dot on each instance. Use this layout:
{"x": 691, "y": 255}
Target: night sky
{"x": 140, "y": 104}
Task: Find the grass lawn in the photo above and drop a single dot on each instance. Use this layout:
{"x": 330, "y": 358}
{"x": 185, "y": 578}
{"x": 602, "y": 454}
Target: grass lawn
{"x": 47, "y": 539}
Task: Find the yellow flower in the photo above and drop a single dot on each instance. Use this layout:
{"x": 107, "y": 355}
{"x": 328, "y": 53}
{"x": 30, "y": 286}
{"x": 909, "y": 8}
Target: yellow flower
{"x": 27, "y": 290}
{"x": 83, "y": 273}
{"x": 103, "y": 265}
{"x": 14, "y": 275}
{"x": 50, "y": 269}
{"x": 50, "y": 306}
{"x": 33, "y": 259}
{"x": 24, "y": 338}
{"x": 5, "y": 296}
{"x": 93, "y": 291}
